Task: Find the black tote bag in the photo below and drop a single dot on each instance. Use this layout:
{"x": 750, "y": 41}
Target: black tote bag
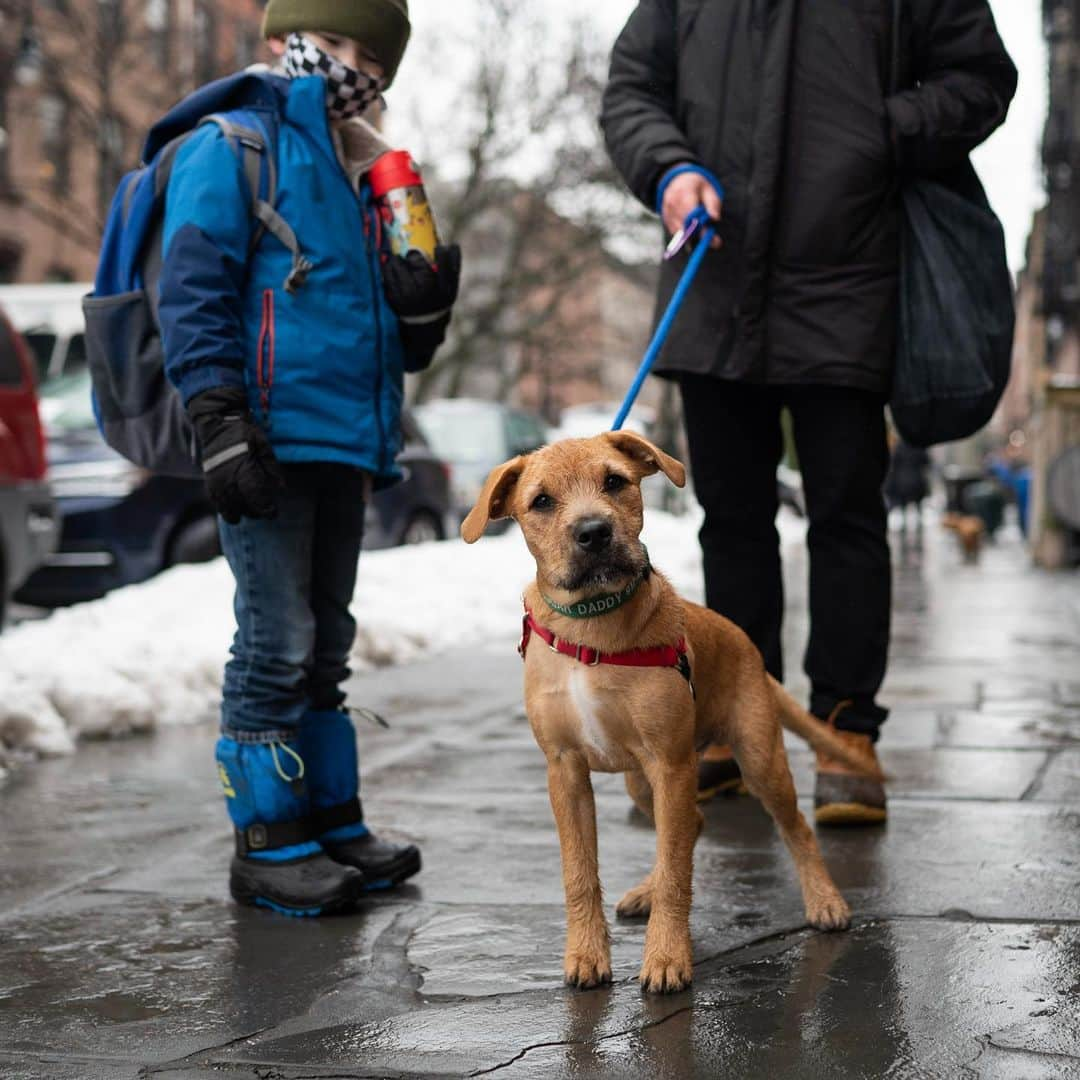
{"x": 956, "y": 313}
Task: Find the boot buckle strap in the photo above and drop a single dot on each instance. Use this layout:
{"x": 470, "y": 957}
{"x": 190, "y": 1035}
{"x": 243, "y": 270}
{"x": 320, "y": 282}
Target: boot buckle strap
{"x": 263, "y": 837}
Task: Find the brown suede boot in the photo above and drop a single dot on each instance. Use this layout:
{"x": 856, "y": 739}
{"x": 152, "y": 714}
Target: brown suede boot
{"x": 841, "y": 795}
{"x": 718, "y": 771}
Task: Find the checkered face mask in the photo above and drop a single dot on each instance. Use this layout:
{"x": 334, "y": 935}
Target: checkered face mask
{"x": 348, "y": 91}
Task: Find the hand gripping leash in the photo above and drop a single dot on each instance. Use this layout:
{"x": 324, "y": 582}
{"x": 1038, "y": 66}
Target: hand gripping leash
{"x": 695, "y": 220}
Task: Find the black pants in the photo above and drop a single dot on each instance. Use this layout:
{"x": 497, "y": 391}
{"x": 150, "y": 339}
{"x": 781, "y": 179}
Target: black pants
{"x": 735, "y": 444}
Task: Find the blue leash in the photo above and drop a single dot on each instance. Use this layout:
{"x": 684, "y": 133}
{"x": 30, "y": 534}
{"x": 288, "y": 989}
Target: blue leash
{"x": 694, "y": 220}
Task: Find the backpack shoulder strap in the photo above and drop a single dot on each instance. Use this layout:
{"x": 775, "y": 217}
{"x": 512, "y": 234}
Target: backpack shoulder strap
{"x": 247, "y": 142}
{"x": 251, "y": 145}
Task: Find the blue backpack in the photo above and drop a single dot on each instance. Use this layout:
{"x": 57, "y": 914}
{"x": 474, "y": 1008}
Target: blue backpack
{"x": 139, "y": 412}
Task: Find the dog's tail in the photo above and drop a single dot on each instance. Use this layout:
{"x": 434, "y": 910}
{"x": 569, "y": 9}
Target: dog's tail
{"x": 820, "y": 736}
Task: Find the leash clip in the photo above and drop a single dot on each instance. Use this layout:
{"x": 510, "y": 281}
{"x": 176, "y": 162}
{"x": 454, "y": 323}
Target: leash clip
{"x": 694, "y": 220}
{"x": 683, "y": 667}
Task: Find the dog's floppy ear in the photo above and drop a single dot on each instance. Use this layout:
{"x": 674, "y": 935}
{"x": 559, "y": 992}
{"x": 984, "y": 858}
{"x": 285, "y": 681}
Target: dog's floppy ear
{"x": 651, "y": 458}
{"x": 493, "y": 500}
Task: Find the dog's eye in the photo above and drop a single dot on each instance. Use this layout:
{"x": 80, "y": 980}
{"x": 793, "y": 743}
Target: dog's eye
{"x": 613, "y": 482}
{"x": 542, "y": 502}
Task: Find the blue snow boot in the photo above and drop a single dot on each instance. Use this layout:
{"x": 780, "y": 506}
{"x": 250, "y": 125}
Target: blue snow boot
{"x": 277, "y": 864}
{"x": 327, "y": 742}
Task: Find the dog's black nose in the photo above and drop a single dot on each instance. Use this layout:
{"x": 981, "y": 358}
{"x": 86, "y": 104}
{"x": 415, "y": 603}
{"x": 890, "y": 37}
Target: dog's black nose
{"x": 593, "y": 534}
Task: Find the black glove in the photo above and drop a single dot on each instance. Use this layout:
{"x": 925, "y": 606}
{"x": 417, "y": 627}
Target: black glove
{"x": 242, "y": 475}
{"x": 422, "y": 296}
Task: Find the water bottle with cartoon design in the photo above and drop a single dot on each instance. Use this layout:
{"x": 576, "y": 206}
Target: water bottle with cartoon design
{"x": 406, "y": 215}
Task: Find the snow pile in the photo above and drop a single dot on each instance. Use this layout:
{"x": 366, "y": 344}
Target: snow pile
{"x": 139, "y": 657}
{"x": 152, "y": 654}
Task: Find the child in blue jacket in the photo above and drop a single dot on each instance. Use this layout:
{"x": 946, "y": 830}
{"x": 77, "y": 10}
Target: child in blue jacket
{"x": 291, "y": 372}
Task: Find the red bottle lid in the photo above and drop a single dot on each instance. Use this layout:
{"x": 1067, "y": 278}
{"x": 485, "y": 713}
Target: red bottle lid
{"x": 394, "y": 169}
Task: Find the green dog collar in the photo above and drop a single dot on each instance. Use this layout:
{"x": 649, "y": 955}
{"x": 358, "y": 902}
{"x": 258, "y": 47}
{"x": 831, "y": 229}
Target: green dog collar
{"x": 601, "y": 603}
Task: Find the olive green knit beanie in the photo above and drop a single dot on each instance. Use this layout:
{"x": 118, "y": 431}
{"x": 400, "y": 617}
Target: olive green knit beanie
{"x": 381, "y": 25}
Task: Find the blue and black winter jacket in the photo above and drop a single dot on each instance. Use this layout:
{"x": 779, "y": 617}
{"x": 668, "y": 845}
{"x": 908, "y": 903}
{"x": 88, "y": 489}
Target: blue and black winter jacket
{"x": 322, "y": 365}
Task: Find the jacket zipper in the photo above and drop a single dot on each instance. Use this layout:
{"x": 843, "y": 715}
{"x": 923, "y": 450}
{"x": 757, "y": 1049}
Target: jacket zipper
{"x": 366, "y": 207}
{"x": 371, "y": 256}
{"x": 264, "y": 371}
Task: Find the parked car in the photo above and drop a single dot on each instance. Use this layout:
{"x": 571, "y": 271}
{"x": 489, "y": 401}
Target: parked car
{"x": 473, "y": 437}
{"x": 418, "y": 509}
{"x": 50, "y": 318}
{"x": 121, "y": 524}
{"x": 28, "y": 517}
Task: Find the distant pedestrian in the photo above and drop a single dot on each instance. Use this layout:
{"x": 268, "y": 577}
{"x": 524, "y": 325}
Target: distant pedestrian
{"x": 907, "y": 484}
{"x": 783, "y": 106}
{"x": 1012, "y": 470}
{"x": 291, "y": 369}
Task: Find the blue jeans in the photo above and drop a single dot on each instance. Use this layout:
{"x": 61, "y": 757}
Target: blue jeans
{"x": 295, "y": 576}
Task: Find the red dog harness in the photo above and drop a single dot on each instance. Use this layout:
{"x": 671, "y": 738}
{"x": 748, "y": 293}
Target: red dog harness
{"x": 673, "y": 656}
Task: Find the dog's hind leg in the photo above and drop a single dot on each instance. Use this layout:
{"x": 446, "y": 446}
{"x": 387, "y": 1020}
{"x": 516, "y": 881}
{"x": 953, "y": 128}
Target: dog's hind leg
{"x": 587, "y": 961}
{"x": 636, "y": 903}
{"x": 640, "y": 790}
{"x": 765, "y": 770}
{"x": 669, "y": 963}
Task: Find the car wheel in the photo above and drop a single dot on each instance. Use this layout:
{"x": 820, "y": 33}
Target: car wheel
{"x": 195, "y": 542}
{"x": 422, "y": 528}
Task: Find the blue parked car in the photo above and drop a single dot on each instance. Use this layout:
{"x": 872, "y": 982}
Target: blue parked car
{"x": 121, "y": 524}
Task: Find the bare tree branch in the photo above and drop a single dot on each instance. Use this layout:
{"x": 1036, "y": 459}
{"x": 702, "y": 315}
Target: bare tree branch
{"x": 96, "y": 56}
{"x": 537, "y": 198}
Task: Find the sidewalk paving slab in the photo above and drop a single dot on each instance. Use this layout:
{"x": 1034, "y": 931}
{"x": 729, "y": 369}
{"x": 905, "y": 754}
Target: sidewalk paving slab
{"x": 122, "y": 956}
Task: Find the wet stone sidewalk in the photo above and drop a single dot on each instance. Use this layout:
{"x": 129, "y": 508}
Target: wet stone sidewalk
{"x": 122, "y": 956}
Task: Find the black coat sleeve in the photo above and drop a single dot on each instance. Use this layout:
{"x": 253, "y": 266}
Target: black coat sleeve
{"x": 638, "y": 115}
{"x": 963, "y": 82}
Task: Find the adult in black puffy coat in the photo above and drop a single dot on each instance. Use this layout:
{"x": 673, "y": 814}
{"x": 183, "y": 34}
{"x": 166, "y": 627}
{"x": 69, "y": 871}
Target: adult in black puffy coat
{"x": 785, "y": 104}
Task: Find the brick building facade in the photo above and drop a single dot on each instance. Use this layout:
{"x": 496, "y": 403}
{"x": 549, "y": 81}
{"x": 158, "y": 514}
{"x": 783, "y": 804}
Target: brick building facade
{"x": 600, "y": 329}
{"x": 81, "y": 81}
{"x": 1055, "y": 516}
{"x": 1042, "y": 401}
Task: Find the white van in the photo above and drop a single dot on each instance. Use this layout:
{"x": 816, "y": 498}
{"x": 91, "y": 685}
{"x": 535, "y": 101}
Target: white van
{"x": 50, "y": 317}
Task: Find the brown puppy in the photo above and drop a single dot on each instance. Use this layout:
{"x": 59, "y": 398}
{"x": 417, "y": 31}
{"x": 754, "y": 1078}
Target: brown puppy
{"x": 579, "y": 505}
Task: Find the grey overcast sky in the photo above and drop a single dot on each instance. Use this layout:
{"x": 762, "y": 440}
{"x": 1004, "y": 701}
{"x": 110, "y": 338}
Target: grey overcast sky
{"x": 1008, "y": 163}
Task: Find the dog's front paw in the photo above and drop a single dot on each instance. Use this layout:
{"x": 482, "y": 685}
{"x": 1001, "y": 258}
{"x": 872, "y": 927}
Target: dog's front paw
{"x": 587, "y": 969}
{"x": 667, "y": 972}
{"x": 829, "y": 912}
{"x": 636, "y": 902}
